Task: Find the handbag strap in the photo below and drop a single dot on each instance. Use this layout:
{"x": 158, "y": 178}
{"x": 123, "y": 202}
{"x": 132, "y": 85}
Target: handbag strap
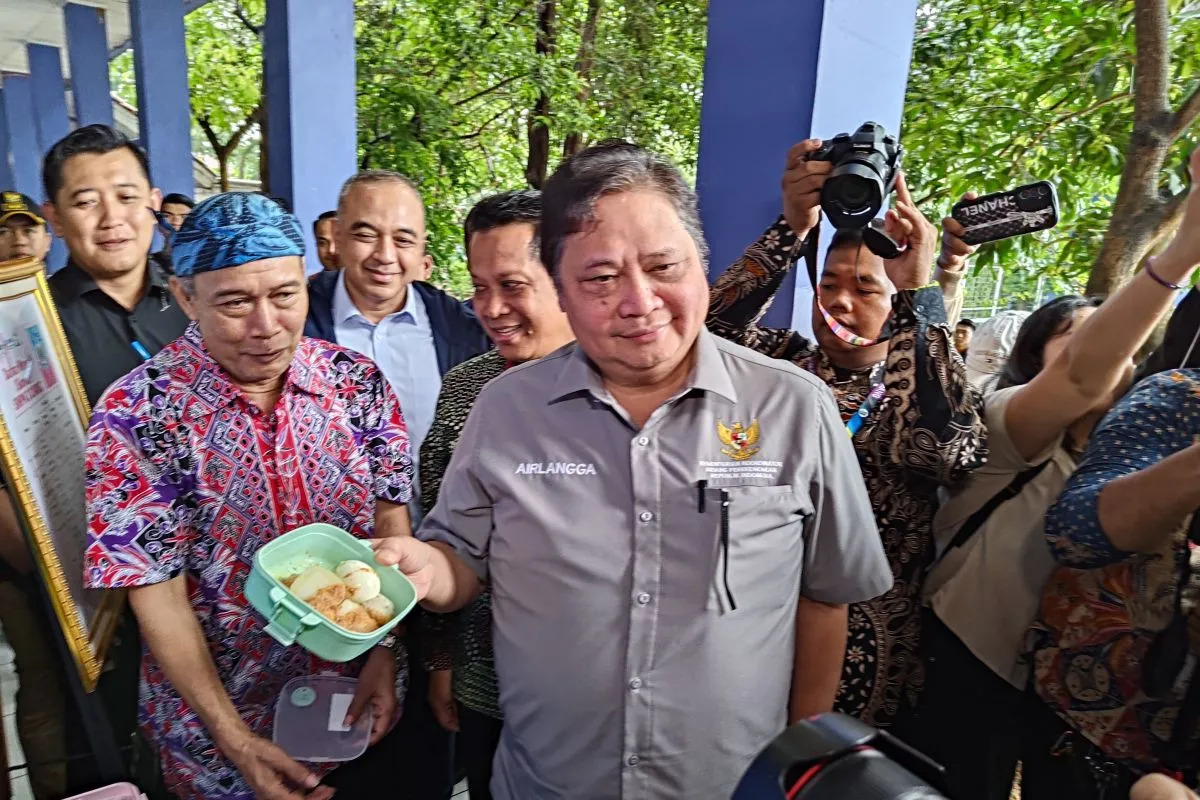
{"x": 976, "y": 520}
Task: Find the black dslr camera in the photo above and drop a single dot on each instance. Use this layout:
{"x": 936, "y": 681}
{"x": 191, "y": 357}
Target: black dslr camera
{"x": 865, "y": 164}
{"x": 834, "y": 757}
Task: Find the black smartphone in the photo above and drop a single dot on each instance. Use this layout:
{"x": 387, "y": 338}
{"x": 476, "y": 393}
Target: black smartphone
{"x": 1026, "y": 209}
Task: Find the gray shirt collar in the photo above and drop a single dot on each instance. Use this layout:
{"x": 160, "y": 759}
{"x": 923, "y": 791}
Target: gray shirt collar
{"x": 579, "y": 375}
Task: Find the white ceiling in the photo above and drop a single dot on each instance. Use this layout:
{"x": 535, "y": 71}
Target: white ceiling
{"x": 41, "y": 22}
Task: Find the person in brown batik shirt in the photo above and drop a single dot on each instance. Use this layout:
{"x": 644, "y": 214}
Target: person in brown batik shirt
{"x": 881, "y": 333}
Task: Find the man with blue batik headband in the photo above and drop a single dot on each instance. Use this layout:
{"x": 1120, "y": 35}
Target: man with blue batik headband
{"x": 234, "y": 434}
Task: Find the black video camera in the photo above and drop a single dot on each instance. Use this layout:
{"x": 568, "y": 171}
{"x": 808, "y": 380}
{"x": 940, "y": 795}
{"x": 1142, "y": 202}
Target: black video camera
{"x": 865, "y": 165}
{"x": 832, "y": 757}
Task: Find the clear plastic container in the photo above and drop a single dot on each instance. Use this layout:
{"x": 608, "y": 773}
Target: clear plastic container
{"x": 309, "y": 715}
{"x": 290, "y": 620}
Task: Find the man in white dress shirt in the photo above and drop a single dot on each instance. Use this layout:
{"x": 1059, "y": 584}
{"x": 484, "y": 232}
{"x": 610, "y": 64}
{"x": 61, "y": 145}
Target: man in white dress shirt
{"x": 379, "y": 305}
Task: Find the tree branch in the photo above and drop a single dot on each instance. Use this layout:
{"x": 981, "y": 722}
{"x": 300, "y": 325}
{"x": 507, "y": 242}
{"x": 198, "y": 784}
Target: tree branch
{"x": 487, "y": 91}
{"x": 1059, "y": 120}
{"x": 1182, "y": 119}
{"x": 483, "y": 127}
{"x": 244, "y": 18}
{"x": 456, "y": 73}
{"x": 585, "y": 59}
{"x": 1151, "y": 75}
{"x": 1172, "y": 208}
{"x": 250, "y": 120}
{"x": 209, "y": 134}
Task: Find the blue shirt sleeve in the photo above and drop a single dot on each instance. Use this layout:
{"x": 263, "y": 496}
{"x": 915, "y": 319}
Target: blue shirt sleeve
{"x": 1160, "y": 417}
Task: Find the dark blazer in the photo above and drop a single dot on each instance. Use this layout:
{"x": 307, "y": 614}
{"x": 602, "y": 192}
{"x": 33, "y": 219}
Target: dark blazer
{"x": 457, "y": 334}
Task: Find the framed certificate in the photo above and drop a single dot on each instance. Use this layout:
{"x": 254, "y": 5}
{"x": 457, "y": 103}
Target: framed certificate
{"x": 43, "y": 431}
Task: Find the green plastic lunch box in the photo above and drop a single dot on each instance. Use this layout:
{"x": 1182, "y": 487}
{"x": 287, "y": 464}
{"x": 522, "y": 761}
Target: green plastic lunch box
{"x": 290, "y": 620}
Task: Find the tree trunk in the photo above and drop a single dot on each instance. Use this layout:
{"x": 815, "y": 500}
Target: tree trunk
{"x": 1140, "y": 213}
{"x": 538, "y": 160}
{"x": 584, "y": 62}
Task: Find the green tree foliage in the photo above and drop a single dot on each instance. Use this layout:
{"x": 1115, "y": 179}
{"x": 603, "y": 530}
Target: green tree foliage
{"x": 1009, "y": 92}
{"x": 225, "y": 74}
{"x": 453, "y": 93}
{"x": 225, "y": 82}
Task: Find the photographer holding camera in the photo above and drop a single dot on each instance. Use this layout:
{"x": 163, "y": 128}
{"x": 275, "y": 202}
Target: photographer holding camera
{"x": 885, "y": 350}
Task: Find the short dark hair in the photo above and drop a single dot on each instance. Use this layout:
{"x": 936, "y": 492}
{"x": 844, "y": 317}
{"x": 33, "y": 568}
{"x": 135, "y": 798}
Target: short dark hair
{"x": 98, "y": 139}
{"x": 324, "y": 216}
{"x": 175, "y": 198}
{"x": 966, "y": 323}
{"x": 845, "y": 240}
{"x": 1053, "y": 318}
{"x": 569, "y": 198}
{"x": 506, "y": 208}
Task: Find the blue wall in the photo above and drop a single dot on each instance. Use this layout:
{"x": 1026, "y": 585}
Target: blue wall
{"x": 776, "y": 72}
{"x": 311, "y": 107}
{"x": 161, "y": 71}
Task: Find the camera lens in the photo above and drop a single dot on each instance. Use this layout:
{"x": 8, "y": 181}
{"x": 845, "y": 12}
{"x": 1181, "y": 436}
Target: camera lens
{"x": 853, "y": 192}
{"x": 852, "y": 196}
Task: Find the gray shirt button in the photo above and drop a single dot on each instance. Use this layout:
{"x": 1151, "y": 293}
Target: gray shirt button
{"x": 645, "y": 516}
{"x": 643, "y": 598}
{"x": 633, "y": 761}
{"x": 643, "y": 440}
{"x": 635, "y": 684}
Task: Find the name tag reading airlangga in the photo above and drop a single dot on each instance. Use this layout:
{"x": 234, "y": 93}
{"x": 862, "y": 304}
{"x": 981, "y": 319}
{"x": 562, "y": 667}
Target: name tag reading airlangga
{"x": 555, "y": 468}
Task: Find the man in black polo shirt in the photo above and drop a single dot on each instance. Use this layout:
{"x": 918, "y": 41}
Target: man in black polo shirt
{"x": 114, "y": 304}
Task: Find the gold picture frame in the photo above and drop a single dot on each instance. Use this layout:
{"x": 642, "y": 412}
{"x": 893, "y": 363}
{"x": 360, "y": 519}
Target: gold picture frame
{"x": 39, "y": 385}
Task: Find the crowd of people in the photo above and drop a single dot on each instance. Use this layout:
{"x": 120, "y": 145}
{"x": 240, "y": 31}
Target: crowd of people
{"x": 647, "y": 532}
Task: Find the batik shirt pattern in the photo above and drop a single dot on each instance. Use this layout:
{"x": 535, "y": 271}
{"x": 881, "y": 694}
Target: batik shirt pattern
{"x": 1103, "y": 608}
{"x": 186, "y": 476}
{"x": 927, "y": 432}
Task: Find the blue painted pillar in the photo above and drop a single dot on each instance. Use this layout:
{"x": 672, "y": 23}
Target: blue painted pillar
{"x": 312, "y": 130}
{"x": 87, "y": 49}
{"x": 22, "y": 135}
{"x": 6, "y": 175}
{"x": 50, "y": 115}
{"x": 49, "y": 94}
{"x": 776, "y": 72}
{"x": 161, "y": 72}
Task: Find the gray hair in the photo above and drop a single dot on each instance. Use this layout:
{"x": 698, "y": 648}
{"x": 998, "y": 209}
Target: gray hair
{"x": 368, "y": 177}
{"x": 569, "y": 198}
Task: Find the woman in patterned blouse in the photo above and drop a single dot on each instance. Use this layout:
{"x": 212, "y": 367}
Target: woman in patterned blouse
{"x": 924, "y": 429}
{"x": 1120, "y": 533}
{"x": 1069, "y": 363}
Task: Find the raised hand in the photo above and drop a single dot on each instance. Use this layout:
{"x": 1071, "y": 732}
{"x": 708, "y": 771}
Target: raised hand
{"x": 802, "y": 183}
{"x": 905, "y": 223}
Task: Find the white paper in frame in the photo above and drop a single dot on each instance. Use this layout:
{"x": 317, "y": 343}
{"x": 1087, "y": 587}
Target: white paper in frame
{"x": 44, "y": 414}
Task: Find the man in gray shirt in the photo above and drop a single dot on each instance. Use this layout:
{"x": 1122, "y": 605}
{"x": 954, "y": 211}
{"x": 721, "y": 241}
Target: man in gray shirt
{"x": 672, "y": 524}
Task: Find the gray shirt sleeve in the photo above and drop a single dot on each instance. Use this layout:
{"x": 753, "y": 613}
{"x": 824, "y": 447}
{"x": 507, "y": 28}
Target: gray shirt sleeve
{"x": 462, "y": 516}
{"x": 844, "y": 560}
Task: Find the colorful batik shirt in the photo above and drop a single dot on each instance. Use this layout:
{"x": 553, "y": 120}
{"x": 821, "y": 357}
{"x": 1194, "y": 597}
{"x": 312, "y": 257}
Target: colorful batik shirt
{"x": 928, "y": 431}
{"x": 1103, "y": 608}
{"x": 186, "y": 475}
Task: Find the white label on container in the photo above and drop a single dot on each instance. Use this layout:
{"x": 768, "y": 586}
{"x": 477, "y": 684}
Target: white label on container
{"x": 339, "y": 704}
